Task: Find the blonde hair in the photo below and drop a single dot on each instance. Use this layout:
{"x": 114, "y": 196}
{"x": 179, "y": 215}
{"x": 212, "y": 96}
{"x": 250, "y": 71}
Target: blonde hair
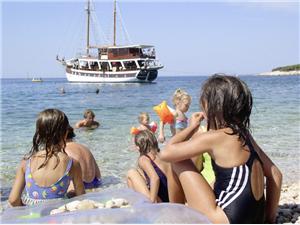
{"x": 142, "y": 116}
{"x": 181, "y": 95}
{"x": 88, "y": 112}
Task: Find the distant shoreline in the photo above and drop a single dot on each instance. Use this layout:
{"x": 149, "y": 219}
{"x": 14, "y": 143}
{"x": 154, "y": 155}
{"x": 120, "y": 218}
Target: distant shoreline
{"x": 280, "y": 73}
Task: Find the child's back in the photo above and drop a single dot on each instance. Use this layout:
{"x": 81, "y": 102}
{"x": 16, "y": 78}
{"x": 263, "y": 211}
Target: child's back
{"x": 48, "y": 182}
{"x": 46, "y": 171}
{"x": 49, "y": 174}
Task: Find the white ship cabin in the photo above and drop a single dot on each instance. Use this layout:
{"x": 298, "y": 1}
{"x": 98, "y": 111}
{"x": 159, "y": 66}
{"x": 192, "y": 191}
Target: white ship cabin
{"x": 117, "y": 59}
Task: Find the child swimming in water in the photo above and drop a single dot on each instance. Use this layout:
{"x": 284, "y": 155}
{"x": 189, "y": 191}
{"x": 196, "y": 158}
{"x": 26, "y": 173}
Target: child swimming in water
{"x": 240, "y": 165}
{"x": 88, "y": 120}
{"x": 46, "y": 171}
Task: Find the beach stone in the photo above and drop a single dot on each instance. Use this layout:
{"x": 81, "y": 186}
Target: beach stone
{"x": 296, "y": 215}
{"x": 286, "y": 211}
{"x": 86, "y": 204}
{"x": 297, "y": 209}
{"x": 280, "y": 220}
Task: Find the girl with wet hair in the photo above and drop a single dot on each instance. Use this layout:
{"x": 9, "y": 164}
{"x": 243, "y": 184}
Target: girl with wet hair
{"x": 153, "y": 178}
{"x": 240, "y": 165}
{"x": 46, "y": 171}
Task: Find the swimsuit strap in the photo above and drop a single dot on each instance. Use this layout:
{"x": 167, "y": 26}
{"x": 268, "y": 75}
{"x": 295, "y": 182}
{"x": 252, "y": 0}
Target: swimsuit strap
{"x": 253, "y": 153}
{"x": 182, "y": 120}
{"x": 163, "y": 187}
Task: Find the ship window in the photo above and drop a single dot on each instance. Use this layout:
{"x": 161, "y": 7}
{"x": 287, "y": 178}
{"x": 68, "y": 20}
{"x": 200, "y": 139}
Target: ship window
{"x": 134, "y": 51}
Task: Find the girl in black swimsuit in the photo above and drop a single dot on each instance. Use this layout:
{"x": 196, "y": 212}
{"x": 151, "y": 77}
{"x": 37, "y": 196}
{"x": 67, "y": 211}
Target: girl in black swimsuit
{"x": 240, "y": 165}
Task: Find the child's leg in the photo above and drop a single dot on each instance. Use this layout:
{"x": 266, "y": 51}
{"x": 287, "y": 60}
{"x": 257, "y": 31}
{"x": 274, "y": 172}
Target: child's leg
{"x": 137, "y": 182}
{"x": 198, "y": 162}
{"x": 175, "y": 190}
{"x": 198, "y": 193}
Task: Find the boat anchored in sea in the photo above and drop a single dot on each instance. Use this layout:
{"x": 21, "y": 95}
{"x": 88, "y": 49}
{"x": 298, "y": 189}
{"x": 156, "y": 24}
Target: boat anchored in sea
{"x": 113, "y": 63}
{"x": 37, "y": 80}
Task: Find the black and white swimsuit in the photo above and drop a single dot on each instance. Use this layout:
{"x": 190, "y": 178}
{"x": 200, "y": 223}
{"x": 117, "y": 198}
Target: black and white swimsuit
{"x": 234, "y": 193}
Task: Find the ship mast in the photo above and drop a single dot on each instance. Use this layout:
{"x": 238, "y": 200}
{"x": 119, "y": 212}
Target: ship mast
{"x": 115, "y": 15}
{"x": 88, "y": 28}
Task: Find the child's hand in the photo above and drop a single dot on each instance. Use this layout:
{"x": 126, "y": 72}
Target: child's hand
{"x": 196, "y": 119}
{"x": 161, "y": 138}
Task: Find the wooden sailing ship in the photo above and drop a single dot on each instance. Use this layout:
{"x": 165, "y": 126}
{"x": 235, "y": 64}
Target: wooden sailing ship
{"x": 114, "y": 63}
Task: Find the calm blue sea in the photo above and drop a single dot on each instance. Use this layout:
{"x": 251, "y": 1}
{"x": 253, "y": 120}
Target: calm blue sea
{"x": 275, "y": 119}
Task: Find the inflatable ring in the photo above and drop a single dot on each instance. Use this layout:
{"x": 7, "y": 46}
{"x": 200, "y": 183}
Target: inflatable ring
{"x": 164, "y": 112}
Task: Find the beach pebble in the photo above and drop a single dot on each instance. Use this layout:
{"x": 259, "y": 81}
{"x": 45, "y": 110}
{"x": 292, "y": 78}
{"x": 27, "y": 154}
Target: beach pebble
{"x": 90, "y": 204}
{"x": 86, "y": 204}
{"x": 297, "y": 209}
{"x": 99, "y": 205}
{"x": 116, "y": 203}
{"x": 56, "y": 211}
{"x": 72, "y": 206}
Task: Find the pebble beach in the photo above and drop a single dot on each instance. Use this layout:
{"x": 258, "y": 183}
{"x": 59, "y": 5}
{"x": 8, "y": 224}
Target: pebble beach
{"x": 289, "y": 204}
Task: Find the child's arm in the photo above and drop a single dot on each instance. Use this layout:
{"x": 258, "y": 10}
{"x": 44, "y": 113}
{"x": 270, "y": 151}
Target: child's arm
{"x": 79, "y": 124}
{"x": 273, "y": 183}
{"x": 77, "y": 178}
{"x": 172, "y": 129}
{"x": 18, "y": 187}
{"x": 146, "y": 166}
{"x": 180, "y": 147}
{"x": 161, "y": 136}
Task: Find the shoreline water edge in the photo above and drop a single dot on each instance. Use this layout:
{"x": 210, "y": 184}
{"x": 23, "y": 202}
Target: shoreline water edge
{"x": 280, "y": 73}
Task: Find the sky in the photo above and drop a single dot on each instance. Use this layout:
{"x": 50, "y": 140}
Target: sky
{"x": 191, "y": 37}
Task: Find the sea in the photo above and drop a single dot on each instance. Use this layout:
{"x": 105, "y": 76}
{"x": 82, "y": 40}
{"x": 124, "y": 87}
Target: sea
{"x": 275, "y": 119}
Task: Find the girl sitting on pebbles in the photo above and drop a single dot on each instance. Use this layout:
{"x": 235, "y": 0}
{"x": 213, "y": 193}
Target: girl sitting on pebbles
{"x": 154, "y": 178}
{"x": 47, "y": 170}
{"x": 240, "y": 165}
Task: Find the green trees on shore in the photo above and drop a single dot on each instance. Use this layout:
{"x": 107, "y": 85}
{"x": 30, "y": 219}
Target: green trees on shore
{"x": 287, "y": 68}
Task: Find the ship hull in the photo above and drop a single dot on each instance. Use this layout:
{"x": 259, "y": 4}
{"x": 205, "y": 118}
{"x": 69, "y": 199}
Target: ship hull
{"x": 137, "y": 76}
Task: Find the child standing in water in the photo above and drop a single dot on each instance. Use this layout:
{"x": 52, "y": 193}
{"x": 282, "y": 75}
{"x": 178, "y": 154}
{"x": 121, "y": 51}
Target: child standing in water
{"x": 88, "y": 121}
{"x": 181, "y": 101}
{"x": 240, "y": 165}
{"x": 47, "y": 170}
{"x": 154, "y": 178}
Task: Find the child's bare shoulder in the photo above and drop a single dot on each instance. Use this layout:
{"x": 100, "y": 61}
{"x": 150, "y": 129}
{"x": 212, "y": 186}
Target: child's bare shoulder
{"x": 143, "y": 160}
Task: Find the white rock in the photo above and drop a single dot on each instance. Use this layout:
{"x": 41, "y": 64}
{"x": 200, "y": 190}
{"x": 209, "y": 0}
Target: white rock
{"x": 56, "y": 211}
{"x": 99, "y": 205}
{"x": 86, "y": 204}
{"x": 72, "y": 206}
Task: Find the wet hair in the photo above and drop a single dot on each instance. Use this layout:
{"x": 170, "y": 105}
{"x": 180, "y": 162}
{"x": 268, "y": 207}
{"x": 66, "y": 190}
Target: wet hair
{"x": 180, "y": 95}
{"x": 51, "y": 128}
{"x": 142, "y": 116}
{"x": 227, "y": 102}
{"x": 71, "y": 133}
{"x": 146, "y": 141}
{"x": 88, "y": 112}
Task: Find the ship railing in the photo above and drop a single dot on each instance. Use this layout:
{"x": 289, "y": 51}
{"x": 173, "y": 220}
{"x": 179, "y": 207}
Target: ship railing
{"x": 152, "y": 64}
